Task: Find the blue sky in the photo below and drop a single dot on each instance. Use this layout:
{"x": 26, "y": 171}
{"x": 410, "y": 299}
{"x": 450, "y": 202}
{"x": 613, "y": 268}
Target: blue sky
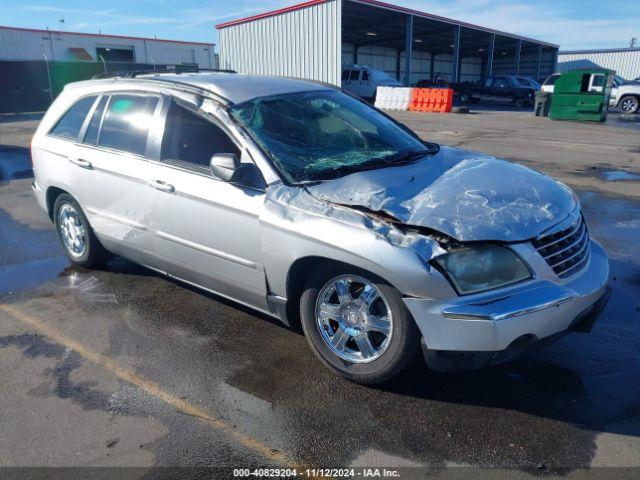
{"x": 571, "y": 23}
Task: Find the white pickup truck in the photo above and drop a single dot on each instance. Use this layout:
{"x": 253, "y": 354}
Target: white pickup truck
{"x": 364, "y": 81}
{"x": 625, "y": 95}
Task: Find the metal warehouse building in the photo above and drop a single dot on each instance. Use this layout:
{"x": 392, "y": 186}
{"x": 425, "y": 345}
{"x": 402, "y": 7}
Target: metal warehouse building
{"x": 315, "y": 39}
{"x": 625, "y": 61}
{"x": 28, "y": 44}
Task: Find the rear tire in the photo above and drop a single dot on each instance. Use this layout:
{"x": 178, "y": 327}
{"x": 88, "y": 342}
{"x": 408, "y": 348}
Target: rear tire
{"x": 76, "y": 235}
{"x": 464, "y": 97}
{"x": 368, "y": 338}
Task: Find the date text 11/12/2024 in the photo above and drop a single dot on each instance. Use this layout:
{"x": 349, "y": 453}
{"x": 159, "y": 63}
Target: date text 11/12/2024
{"x": 316, "y": 473}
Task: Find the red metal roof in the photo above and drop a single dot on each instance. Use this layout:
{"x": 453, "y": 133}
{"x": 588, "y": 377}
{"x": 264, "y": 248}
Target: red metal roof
{"x": 380, "y": 4}
{"x": 102, "y": 35}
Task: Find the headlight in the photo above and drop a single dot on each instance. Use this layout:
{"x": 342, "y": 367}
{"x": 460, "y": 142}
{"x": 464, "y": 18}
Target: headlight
{"x": 474, "y": 269}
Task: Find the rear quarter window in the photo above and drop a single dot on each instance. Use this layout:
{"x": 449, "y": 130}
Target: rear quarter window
{"x": 71, "y": 122}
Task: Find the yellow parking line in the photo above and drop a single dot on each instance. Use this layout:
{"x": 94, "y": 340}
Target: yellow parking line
{"x": 148, "y": 386}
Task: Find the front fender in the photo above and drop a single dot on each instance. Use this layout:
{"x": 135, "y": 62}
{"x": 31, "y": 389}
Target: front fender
{"x": 290, "y": 233}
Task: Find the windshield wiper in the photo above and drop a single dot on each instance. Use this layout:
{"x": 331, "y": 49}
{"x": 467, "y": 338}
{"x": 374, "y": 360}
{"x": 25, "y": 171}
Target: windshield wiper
{"x": 406, "y": 157}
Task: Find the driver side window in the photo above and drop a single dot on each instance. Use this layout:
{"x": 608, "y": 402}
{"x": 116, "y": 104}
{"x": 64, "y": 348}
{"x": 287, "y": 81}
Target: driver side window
{"x": 192, "y": 140}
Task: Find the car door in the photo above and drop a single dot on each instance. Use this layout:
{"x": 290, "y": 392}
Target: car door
{"x": 112, "y": 169}
{"x": 368, "y": 84}
{"x": 354, "y": 83}
{"x": 207, "y": 230}
{"x": 62, "y": 142}
{"x": 346, "y": 74}
{"x": 486, "y": 92}
{"x": 500, "y": 91}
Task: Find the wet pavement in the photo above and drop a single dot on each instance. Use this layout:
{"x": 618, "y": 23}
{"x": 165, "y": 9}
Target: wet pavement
{"x": 120, "y": 366}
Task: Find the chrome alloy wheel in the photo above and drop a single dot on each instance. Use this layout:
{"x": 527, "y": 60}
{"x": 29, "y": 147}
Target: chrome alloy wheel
{"x": 72, "y": 231}
{"x": 629, "y": 105}
{"x": 354, "y": 318}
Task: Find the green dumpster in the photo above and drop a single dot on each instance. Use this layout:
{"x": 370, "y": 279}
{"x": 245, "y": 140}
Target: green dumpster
{"x": 582, "y": 95}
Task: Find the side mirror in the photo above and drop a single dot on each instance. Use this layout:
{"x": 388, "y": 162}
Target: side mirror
{"x": 224, "y": 166}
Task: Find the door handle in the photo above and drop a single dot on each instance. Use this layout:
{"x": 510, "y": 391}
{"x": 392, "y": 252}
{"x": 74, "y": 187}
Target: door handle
{"x": 81, "y": 162}
{"x": 162, "y": 186}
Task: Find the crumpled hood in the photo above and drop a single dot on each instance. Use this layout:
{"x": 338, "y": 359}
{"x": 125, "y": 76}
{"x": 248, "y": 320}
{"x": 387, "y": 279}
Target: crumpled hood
{"x": 466, "y": 195}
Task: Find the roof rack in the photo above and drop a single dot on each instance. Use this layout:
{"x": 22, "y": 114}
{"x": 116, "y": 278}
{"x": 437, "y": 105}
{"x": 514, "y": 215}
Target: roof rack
{"x": 177, "y": 69}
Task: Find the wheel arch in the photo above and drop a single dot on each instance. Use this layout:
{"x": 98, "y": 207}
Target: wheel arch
{"x": 52, "y": 195}
{"x": 296, "y": 281}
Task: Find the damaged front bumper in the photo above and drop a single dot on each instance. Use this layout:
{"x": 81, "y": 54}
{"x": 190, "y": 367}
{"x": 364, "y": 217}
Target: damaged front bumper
{"x": 477, "y": 330}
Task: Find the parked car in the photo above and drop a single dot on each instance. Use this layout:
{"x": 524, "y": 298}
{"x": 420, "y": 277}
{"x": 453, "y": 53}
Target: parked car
{"x": 364, "y": 81}
{"x": 439, "y": 81}
{"x": 307, "y": 204}
{"x": 498, "y": 89}
{"x": 529, "y": 82}
{"x": 625, "y": 95}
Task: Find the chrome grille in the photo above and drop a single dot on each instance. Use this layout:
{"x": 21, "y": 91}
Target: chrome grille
{"x": 566, "y": 251}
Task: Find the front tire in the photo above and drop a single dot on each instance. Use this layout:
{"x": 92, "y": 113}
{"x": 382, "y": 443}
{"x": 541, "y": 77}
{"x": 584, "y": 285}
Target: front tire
{"x": 518, "y": 102}
{"x": 629, "y": 104}
{"x": 76, "y": 235}
{"x": 464, "y": 97}
{"x": 357, "y": 324}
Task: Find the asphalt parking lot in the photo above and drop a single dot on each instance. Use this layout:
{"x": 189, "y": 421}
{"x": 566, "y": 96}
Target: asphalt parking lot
{"x": 121, "y": 367}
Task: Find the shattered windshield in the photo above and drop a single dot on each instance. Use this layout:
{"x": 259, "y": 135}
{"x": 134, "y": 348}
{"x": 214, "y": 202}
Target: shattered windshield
{"x": 320, "y": 135}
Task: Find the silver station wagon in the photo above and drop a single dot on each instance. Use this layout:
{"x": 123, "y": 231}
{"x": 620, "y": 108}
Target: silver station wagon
{"x": 304, "y": 203}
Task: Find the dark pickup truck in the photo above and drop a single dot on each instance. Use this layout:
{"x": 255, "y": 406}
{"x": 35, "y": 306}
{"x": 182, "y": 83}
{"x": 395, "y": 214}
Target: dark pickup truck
{"x": 496, "y": 89}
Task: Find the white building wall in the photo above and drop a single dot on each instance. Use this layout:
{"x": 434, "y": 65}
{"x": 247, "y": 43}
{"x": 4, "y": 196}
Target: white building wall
{"x": 379, "y": 58}
{"x": 32, "y": 44}
{"x": 625, "y": 62}
{"x": 504, "y": 65}
{"x": 471, "y": 69}
{"x": 442, "y": 67}
{"x": 528, "y": 65}
{"x": 420, "y": 66}
{"x": 386, "y": 59}
{"x": 303, "y": 43}
{"x": 348, "y": 55}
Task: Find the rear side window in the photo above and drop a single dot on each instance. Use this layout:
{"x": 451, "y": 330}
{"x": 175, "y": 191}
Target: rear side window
{"x": 126, "y": 123}
{"x": 91, "y": 137}
{"x": 551, "y": 80}
{"x": 192, "y": 139}
{"x": 355, "y": 75}
{"x": 345, "y": 74}
{"x": 71, "y": 122}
